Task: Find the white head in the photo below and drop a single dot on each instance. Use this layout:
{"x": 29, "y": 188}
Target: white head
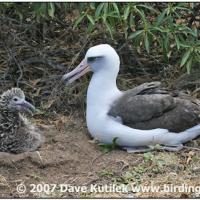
{"x": 97, "y": 59}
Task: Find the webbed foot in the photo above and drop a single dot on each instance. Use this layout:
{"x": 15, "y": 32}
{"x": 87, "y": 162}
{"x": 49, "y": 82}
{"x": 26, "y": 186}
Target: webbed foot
{"x": 177, "y": 147}
{"x": 151, "y": 148}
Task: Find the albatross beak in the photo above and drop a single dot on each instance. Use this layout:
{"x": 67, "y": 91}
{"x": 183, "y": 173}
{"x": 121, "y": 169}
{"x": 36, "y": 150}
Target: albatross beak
{"x": 79, "y": 71}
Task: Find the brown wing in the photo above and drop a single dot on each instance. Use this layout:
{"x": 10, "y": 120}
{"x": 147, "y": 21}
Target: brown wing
{"x": 149, "y": 106}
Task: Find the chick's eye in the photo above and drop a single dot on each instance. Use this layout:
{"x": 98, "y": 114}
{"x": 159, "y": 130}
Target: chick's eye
{"x": 15, "y": 99}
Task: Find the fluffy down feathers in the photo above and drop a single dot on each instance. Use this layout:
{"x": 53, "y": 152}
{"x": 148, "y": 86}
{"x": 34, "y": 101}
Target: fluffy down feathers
{"x": 17, "y": 134}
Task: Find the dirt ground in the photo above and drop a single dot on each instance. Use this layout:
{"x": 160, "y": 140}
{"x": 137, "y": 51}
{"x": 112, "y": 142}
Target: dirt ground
{"x": 69, "y": 156}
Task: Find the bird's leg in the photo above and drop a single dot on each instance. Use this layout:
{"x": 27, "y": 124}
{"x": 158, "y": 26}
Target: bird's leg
{"x": 177, "y": 147}
{"x": 137, "y": 149}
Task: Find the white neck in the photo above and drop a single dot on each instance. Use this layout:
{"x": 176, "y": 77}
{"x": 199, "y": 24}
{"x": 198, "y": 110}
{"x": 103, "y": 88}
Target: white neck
{"x": 102, "y": 92}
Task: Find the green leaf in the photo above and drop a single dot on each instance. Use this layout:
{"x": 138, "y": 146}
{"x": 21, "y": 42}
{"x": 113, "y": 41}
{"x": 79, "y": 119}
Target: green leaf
{"x": 194, "y": 32}
{"x": 109, "y": 147}
{"x": 142, "y": 15}
{"x": 159, "y": 29}
{"x": 165, "y": 45}
{"x": 146, "y": 43}
{"x": 126, "y": 12}
{"x": 78, "y": 21}
{"x": 105, "y": 10}
{"x": 148, "y": 7}
{"x": 148, "y": 156}
{"x": 160, "y": 18}
{"x": 109, "y": 28}
{"x": 177, "y": 42}
{"x": 183, "y": 8}
{"x": 98, "y": 10}
{"x": 184, "y": 45}
{"x": 51, "y": 10}
{"x": 105, "y": 148}
{"x": 92, "y": 6}
{"x": 42, "y": 9}
{"x": 166, "y": 42}
{"x": 189, "y": 65}
{"x": 131, "y": 20}
{"x": 116, "y": 9}
{"x": 91, "y": 19}
{"x": 113, "y": 15}
{"x": 114, "y": 143}
{"x": 135, "y": 34}
{"x": 185, "y": 57}
{"x": 90, "y": 28}
{"x": 197, "y": 57}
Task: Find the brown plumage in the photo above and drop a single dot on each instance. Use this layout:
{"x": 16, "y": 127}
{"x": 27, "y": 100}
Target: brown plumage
{"x": 150, "y": 106}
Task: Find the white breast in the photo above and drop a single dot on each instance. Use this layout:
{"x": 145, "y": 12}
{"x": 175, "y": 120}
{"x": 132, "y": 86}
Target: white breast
{"x": 100, "y": 96}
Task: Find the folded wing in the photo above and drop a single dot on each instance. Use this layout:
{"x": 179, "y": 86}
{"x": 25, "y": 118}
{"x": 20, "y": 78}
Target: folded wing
{"x": 150, "y": 106}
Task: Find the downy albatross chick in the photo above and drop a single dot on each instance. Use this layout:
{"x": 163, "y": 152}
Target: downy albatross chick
{"x": 112, "y": 113}
{"x": 17, "y": 134}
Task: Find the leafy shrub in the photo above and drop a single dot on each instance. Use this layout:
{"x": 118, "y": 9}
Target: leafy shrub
{"x": 158, "y": 27}
{"x": 39, "y": 11}
{"x": 168, "y": 29}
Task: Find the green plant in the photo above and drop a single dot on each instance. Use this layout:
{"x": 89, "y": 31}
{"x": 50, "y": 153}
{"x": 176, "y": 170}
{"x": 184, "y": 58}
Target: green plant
{"x": 39, "y": 11}
{"x": 106, "y": 173}
{"x": 156, "y": 164}
{"x": 158, "y": 28}
{"x": 109, "y": 147}
{"x": 161, "y": 29}
{"x": 148, "y": 156}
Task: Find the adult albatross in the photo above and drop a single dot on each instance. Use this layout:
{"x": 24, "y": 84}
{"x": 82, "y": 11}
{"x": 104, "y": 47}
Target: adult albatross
{"x": 138, "y": 118}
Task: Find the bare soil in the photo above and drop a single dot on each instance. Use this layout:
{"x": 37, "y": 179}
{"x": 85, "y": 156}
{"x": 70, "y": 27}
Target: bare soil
{"x": 69, "y": 156}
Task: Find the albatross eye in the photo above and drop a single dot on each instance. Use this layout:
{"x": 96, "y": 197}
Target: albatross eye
{"x": 92, "y": 59}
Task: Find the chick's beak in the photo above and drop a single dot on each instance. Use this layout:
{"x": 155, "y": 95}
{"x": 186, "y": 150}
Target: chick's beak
{"x": 79, "y": 71}
{"x": 27, "y": 107}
